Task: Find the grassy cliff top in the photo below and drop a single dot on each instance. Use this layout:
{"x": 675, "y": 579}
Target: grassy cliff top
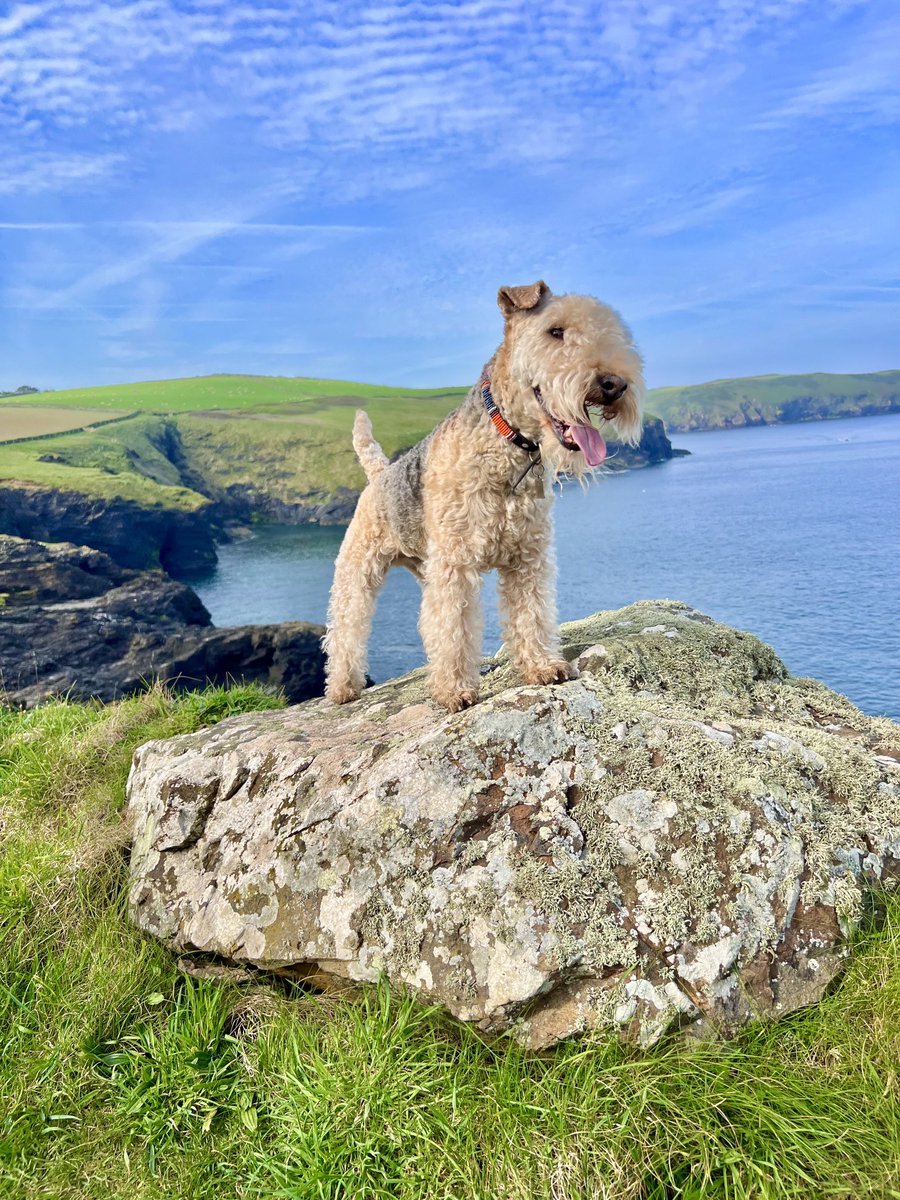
{"x": 288, "y": 436}
{"x": 757, "y": 399}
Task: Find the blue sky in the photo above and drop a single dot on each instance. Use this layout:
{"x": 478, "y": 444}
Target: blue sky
{"x": 339, "y": 189}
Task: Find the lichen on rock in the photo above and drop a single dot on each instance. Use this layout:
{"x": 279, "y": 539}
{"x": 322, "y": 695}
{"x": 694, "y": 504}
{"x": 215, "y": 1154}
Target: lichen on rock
{"x": 684, "y": 834}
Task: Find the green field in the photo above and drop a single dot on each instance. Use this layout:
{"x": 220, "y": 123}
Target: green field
{"x": 104, "y": 464}
{"x": 287, "y": 437}
{"x": 123, "y": 1079}
{"x": 246, "y": 393}
{"x": 29, "y": 420}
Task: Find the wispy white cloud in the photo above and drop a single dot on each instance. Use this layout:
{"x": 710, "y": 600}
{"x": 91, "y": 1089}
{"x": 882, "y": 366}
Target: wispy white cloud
{"x": 170, "y": 163}
{"x": 171, "y": 241}
{"x": 699, "y": 213}
{"x": 214, "y": 229}
{"x": 401, "y": 74}
{"x": 865, "y": 87}
{"x": 21, "y": 16}
{"x": 47, "y": 171}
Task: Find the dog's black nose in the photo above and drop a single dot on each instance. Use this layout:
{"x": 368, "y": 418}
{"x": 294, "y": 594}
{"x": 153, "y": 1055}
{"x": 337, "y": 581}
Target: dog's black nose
{"x": 611, "y": 387}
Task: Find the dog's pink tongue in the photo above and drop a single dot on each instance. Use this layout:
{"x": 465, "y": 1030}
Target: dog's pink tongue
{"x": 590, "y": 443}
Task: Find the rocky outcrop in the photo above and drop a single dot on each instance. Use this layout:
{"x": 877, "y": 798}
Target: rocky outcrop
{"x": 74, "y": 622}
{"x": 654, "y": 447}
{"x": 684, "y": 835}
{"x": 182, "y": 543}
{"x": 242, "y": 503}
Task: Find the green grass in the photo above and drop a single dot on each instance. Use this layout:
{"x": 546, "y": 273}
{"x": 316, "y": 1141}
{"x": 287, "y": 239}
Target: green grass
{"x": 290, "y": 437}
{"x": 288, "y": 457}
{"x": 246, "y": 393}
{"x": 298, "y": 455}
{"x": 115, "y": 462}
{"x": 120, "y": 1077}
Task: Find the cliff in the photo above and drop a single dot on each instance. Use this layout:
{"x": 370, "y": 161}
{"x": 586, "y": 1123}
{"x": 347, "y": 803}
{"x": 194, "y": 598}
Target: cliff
{"x": 133, "y": 534}
{"x": 162, "y": 491}
{"x": 74, "y": 622}
{"x": 776, "y": 399}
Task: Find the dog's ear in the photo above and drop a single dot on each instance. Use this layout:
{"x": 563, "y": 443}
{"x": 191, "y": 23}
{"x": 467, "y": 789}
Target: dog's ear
{"x": 520, "y": 299}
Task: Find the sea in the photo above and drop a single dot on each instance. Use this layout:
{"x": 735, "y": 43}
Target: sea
{"x": 791, "y": 532}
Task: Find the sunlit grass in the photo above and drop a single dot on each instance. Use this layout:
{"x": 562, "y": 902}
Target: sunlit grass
{"x": 204, "y": 392}
{"x": 289, "y": 438}
{"x": 121, "y": 1077}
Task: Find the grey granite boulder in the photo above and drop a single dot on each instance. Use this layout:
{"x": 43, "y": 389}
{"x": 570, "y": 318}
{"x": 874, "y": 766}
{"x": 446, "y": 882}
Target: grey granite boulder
{"x": 685, "y": 834}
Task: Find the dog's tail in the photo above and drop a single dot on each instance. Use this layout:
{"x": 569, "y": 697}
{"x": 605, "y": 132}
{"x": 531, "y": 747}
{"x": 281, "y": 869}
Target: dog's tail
{"x": 369, "y": 453}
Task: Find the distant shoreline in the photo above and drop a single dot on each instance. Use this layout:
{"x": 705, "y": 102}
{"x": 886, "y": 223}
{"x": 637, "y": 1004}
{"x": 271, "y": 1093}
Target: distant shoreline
{"x": 817, "y": 420}
{"x": 775, "y": 400}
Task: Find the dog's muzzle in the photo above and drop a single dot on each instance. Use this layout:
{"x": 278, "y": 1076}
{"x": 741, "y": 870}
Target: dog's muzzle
{"x": 582, "y": 436}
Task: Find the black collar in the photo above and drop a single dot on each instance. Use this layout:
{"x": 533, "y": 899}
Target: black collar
{"x": 501, "y": 424}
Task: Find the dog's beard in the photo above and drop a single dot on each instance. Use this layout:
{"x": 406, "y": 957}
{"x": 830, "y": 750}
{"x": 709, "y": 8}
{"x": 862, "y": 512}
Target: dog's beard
{"x": 574, "y": 406}
{"x": 625, "y": 425}
{"x": 559, "y": 462}
{"x": 571, "y": 442}
{"x": 574, "y": 436}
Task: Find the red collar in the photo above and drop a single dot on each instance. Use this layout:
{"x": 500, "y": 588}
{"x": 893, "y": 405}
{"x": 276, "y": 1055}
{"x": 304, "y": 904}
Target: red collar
{"x": 501, "y": 424}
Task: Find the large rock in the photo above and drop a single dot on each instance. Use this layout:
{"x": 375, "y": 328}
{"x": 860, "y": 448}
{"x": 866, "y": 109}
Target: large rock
{"x": 74, "y": 622}
{"x": 654, "y": 447}
{"x": 685, "y": 834}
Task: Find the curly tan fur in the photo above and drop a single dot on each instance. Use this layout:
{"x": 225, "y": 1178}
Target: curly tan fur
{"x": 447, "y": 511}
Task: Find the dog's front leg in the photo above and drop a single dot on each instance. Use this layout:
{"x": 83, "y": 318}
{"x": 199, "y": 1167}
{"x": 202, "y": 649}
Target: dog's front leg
{"x": 527, "y": 593}
{"x": 450, "y": 625}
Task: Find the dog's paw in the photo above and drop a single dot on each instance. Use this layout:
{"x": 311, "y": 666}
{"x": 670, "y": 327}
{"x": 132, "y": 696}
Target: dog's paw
{"x": 556, "y": 670}
{"x": 342, "y": 694}
{"x": 457, "y": 700}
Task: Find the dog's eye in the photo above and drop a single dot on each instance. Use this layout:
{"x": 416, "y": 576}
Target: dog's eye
{"x": 557, "y": 331}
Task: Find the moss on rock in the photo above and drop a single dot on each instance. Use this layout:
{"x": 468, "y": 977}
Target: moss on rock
{"x": 685, "y": 833}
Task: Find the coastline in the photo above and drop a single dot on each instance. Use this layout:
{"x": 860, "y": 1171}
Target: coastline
{"x": 204, "y": 509}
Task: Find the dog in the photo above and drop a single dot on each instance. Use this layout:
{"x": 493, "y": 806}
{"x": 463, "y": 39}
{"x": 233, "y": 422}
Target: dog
{"x": 470, "y": 497}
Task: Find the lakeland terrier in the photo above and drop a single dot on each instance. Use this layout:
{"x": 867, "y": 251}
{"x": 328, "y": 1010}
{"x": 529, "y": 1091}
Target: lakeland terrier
{"x": 470, "y": 497}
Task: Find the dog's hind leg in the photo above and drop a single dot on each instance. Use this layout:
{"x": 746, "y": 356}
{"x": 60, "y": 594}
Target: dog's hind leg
{"x": 359, "y": 573}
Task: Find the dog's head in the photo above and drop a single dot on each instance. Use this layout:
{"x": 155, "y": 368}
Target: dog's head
{"x": 565, "y": 360}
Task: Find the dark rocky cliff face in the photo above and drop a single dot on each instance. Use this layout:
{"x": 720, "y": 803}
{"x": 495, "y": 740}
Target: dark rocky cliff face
{"x": 182, "y": 543}
{"x": 242, "y": 504}
{"x": 73, "y": 621}
{"x": 654, "y": 447}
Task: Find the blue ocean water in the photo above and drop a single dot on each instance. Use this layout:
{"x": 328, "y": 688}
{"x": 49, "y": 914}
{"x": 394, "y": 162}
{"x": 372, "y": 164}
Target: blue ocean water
{"x": 788, "y": 531}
